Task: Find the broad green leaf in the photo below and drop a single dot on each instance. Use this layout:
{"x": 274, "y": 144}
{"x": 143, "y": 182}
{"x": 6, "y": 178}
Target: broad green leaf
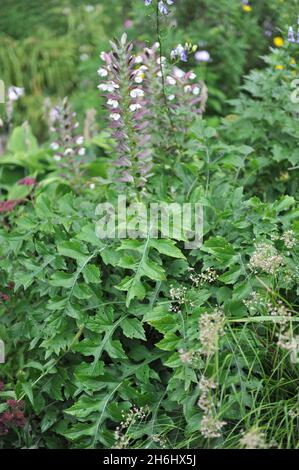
{"x": 132, "y": 328}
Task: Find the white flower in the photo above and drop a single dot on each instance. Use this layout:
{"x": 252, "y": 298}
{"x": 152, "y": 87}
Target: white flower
{"x": 81, "y": 152}
{"x": 196, "y": 91}
{"x": 192, "y": 76}
{"x": 102, "y": 72}
{"x": 68, "y": 151}
{"x": 84, "y": 57}
{"x": 80, "y": 140}
{"x": 89, "y": 8}
{"x": 54, "y": 146}
{"x": 112, "y": 103}
{"x": 92, "y": 186}
{"x": 103, "y": 86}
{"x": 187, "y": 88}
{"x": 54, "y": 114}
{"x": 170, "y": 80}
{"x": 15, "y": 92}
{"x": 115, "y": 116}
{"x": 57, "y": 158}
{"x": 202, "y": 56}
{"x": 103, "y": 55}
{"x": 138, "y": 59}
{"x": 134, "y": 107}
{"x": 110, "y": 87}
{"x": 179, "y": 73}
{"x": 173, "y": 54}
{"x": 136, "y": 93}
{"x": 139, "y": 78}
{"x": 171, "y": 97}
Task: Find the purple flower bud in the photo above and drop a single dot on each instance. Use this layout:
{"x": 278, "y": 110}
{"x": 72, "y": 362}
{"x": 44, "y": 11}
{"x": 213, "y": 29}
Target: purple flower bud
{"x": 126, "y": 177}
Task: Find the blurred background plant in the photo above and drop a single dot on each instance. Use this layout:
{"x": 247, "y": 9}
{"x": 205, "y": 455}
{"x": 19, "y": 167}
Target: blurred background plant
{"x": 53, "y": 50}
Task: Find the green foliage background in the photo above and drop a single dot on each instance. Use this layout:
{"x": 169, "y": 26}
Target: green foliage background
{"x": 89, "y": 328}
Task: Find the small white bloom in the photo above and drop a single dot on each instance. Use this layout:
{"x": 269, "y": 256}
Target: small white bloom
{"x": 68, "y": 151}
{"x": 170, "y": 80}
{"x": 136, "y": 93}
{"x": 171, "y": 97}
{"x": 139, "y": 78}
{"x": 89, "y": 8}
{"x": 102, "y": 72}
{"x": 196, "y": 91}
{"x": 57, "y": 158}
{"x": 115, "y": 116}
{"x": 54, "y": 146}
{"x": 202, "y": 56}
{"x": 187, "y": 89}
{"x": 110, "y": 87}
{"x": 192, "y": 76}
{"x": 81, "y": 152}
{"x": 84, "y": 57}
{"x": 103, "y": 55}
{"x": 92, "y": 186}
{"x": 159, "y": 74}
{"x": 112, "y": 103}
{"x": 15, "y": 92}
{"x": 80, "y": 140}
{"x": 173, "y": 54}
{"x": 135, "y": 107}
{"x": 138, "y": 59}
{"x": 103, "y": 87}
{"x": 179, "y": 73}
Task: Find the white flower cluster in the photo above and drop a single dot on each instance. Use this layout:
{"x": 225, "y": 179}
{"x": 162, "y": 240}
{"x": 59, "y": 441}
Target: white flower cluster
{"x": 266, "y": 258}
{"x": 211, "y": 327}
{"x": 256, "y": 304}
{"x": 289, "y": 239}
{"x": 253, "y": 439}
{"x": 208, "y": 276}
{"x": 210, "y": 425}
{"x": 134, "y": 415}
{"x": 289, "y": 342}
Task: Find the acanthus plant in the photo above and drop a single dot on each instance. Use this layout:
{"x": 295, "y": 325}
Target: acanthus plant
{"x": 67, "y": 143}
{"x": 128, "y": 112}
{"x": 149, "y": 102}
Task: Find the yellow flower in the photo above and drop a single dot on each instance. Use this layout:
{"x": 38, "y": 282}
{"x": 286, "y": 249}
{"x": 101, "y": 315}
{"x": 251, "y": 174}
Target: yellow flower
{"x": 247, "y": 8}
{"x": 293, "y": 62}
{"x": 279, "y": 67}
{"x": 278, "y": 41}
